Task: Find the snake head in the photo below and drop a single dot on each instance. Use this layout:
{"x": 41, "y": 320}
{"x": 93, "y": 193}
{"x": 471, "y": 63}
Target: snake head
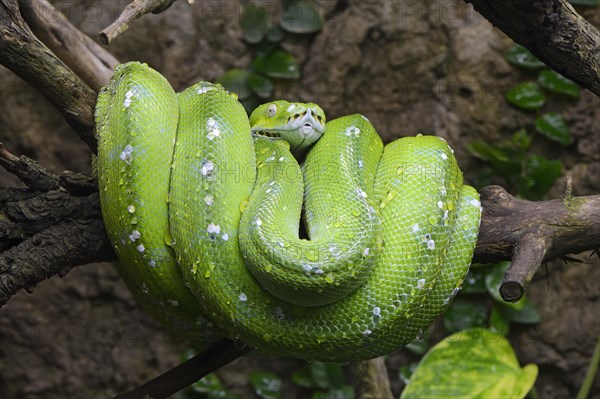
{"x": 300, "y": 124}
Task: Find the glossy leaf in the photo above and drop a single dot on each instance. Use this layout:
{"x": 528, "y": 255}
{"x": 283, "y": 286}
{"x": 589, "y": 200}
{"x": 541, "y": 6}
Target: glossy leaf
{"x": 208, "y": 384}
{"x": 475, "y": 281}
{"x": 260, "y": 85}
{"x": 301, "y": 17}
{"x": 463, "y": 314}
{"x": 275, "y": 34}
{"x": 486, "y": 152}
{"x": 419, "y": 346}
{"x": 407, "y": 371}
{"x": 345, "y": 392}
{"x": 521, "y": 139}
{"x": 541, "y": 174}
{"x": 236, "y": 81}
{"x": 500, "y": 319}
{"x": 476, "y": 363}
{"x": 303, "y": 378}
{"x": 208, "y": 387}
{"x": 554, "y": 126}
{"x": 557, "y": 83}
{"x": 255, "y": 23}
{"x": 266, "y": 385}
{"x": 526, "y": 96}
{"x": 277, "y": 64}
{"x": 528, "y": 314}
{"x": 521, "y": 57}
{"x": 327, "y": 375}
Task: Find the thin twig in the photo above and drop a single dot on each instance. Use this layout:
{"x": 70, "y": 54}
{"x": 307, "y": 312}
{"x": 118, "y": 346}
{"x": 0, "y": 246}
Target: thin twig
{"x": 133, "y": 10}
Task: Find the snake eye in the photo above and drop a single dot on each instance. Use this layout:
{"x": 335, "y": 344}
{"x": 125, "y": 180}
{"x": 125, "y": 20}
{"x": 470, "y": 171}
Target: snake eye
{"x": 271, "y": 110}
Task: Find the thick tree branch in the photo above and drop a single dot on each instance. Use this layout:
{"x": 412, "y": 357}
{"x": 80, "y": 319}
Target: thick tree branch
{"x": 32, "y": 61}
{"x": 90, "y": 61}
{"x": 553, "y": 31}
{"x": 132, "y": 11}
{"x": 533, "y": 232}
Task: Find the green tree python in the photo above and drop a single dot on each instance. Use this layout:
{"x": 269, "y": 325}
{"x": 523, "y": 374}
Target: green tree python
{"x": 203, "y": 206}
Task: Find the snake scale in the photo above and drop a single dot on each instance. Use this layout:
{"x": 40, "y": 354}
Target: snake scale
{"x": 203, "y": 206}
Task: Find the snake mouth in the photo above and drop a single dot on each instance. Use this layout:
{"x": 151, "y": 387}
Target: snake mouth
{"x": 307, "y": 123}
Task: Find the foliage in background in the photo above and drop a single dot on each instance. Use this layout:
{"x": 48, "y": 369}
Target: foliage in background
{"x": 529, "y": 175}
{"x": 254, "y": 85}
{"x": 318, "y": 380}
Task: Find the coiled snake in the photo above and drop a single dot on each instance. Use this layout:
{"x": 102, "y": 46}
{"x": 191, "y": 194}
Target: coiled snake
{"x": 203, "y": 207}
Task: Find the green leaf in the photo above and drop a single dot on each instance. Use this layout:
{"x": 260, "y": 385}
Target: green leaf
{"x": 526, "y": 315}
{"x": 345, "y": 392}
{"x": 275, "y": 34}
{"x": 521, "y": 57}
{"x": 260, "y": 85}
{"x": 419, "y": 346}
{"x": 255, "y": 23}
{"x": 475, "y": 281}
{"x": 526, "y": 96}
{"x": 557, "y": 83}
{"x": 542, "y": 174}
{"x": 277, "y": 64}
{"x": 327, "y": 375}
{"x": 493, "y": 280}
{"x": 207, "y": 384}
{"x": 301, "y": 17}
{"x": 586, "y": 3}
{"x": 554, "y": 126}
{"x": 407, "y": 371}
{"x": 464, "y": 313}
{"x": 476, "y": 363}
{"x": 303, "y": 378}
{"x": 500, "y": 319}
{"x": 250, "y": 104}
{"x": 266, "y": 385}
{"x": 521, "y": 139}
{"x": 484, "y": 151}
{"x": 236, "y": 81}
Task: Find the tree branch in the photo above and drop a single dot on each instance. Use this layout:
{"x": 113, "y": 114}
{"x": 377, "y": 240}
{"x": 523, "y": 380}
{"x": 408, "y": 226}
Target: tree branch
{"x": 90, "y": 61}
{"x": 33, "y": 62}
{"x": 553, "y": 31}
{"x": 530, "y": 233}
{"x": 132, "y": 11}
{"x": 370, "y": 379}
{"x": 174, "y": 380}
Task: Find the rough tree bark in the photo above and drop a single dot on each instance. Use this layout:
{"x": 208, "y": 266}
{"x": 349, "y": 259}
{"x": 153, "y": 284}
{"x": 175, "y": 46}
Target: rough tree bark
{"x": 553, "y": 31}
{"x": 56, "y": 224}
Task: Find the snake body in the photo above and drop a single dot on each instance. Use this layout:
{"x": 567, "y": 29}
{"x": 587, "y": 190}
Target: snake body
{"x": 203, "y": 207}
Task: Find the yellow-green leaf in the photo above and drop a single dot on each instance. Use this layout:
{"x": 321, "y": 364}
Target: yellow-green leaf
{"x": 476, "y": 363}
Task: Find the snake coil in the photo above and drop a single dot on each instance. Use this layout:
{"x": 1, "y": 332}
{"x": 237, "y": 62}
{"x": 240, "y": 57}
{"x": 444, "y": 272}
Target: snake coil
{"x": 204, "y": 219}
